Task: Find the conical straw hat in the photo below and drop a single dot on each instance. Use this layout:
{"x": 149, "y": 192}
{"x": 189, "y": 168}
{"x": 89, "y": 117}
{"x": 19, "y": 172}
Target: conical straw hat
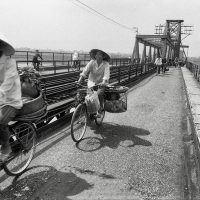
{"x": 5, "y": 46}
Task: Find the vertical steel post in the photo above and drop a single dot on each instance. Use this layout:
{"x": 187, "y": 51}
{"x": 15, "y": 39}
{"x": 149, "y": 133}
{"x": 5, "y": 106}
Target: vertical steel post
{"x": 119, "y": 73}
{"x": 135, "y": 55}
{"x": 143, "y": 59}
{"x": 27, "y": 58}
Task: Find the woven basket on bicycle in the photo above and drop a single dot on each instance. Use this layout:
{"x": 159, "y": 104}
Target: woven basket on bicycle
{"x": 116, "y": 99}
{"x": 33, "y": 98}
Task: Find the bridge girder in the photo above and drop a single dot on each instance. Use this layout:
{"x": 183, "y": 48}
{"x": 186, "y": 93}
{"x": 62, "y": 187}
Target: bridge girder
{"x": 167, "y": 41}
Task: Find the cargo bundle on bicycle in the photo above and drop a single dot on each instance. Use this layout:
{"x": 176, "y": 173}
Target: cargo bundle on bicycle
{"x": 116, "y": 99}
{"x": 34, "y": 104}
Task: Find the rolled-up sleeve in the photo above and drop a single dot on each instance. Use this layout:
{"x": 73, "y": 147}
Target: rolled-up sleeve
{"x": 106, "y": 76}
{"x": 87, "y": 69}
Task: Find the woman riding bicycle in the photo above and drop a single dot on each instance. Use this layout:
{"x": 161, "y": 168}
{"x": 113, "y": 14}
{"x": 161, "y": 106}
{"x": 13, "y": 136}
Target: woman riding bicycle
{"x": 10, "y": 94}
{"x": 98, "y": 70}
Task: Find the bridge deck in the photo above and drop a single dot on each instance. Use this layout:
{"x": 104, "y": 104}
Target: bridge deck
{"x": 134, "y": 155}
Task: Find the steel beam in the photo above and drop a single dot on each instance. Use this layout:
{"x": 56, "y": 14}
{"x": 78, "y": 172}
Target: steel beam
{"x": 151, "y": 36}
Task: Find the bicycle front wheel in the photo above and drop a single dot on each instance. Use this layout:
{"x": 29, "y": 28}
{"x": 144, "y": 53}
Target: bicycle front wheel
{"x": 23, "y": 149}
{"x": 79, "y": 122}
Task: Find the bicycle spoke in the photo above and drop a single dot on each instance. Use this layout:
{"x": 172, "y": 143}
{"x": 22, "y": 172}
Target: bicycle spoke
{"x": 25, "y": 144}
{"x": 79, "y": 122}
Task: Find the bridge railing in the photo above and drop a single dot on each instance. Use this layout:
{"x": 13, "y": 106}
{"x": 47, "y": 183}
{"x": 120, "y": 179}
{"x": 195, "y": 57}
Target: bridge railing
{"x": 60, "y": 88}
{"x": 55, "y": 61}
{"x": 195, "y": 69}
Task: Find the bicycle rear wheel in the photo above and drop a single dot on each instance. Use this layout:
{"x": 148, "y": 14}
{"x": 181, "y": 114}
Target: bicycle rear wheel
{"x": 79, "y": 122}
{"x": 23, "y": 149}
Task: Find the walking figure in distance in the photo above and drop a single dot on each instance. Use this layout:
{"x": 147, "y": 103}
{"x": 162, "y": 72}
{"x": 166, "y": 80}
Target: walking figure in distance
{"x": 158, "y": 63}
{"x": 176, "y": 62}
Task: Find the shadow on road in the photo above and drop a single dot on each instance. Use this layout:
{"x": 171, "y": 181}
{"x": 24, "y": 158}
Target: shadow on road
{"x": 48, "y": 183}
{"x": 112, "y": 136}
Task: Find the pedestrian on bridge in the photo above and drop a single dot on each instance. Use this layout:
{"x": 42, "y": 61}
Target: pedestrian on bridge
{"x": 164, "y": 65}
{"x": 98, "y": 70}
{"x": 10, "y": 94}
{"x": 176, "y": 61}
{"x": 158, "y": 63}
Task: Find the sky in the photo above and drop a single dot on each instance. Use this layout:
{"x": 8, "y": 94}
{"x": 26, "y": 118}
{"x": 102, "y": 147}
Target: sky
{"x": 69, "y": 25}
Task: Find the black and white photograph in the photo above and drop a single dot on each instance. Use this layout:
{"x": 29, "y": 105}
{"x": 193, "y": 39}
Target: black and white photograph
{"x": 100, "y": 100}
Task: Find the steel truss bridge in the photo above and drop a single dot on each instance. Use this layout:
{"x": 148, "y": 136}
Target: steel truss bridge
{"x": 166, "y": 42}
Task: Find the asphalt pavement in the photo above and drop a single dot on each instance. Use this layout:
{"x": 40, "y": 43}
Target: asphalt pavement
{"x": 135, "y": 155}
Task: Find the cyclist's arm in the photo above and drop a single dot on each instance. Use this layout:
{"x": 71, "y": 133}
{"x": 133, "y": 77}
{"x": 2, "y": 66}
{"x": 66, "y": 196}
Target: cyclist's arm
{"x": 106, "y": 76}
{"x": 40, "y": 56}
{"x": 85, "y": 71}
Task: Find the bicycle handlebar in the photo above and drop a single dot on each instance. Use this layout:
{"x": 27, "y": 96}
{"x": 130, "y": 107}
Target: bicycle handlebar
{"x": 79, "y": 84}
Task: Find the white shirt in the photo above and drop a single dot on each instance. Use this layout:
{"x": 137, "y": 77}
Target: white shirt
{"x": 10, "y": 86}
{"x": 158, "y": 61}
{"x": 75, "y": 56}
{"x": 96, "y": 73}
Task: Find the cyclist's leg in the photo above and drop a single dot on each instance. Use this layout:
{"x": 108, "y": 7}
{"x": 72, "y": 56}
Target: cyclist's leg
{"x": 37, "y": 66}
{"x": 78, "y": 64}
{"x": 73, "y": 64}
{"x": 7, "y": 113}
{"x": 100, "y": 92}
{"x": 34, "y": 65}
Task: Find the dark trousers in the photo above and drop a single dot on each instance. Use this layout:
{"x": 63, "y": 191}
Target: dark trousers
{"x": 163, "y": 67}
{"x": 158, "y": 69}
{"x": 7, "y": 113}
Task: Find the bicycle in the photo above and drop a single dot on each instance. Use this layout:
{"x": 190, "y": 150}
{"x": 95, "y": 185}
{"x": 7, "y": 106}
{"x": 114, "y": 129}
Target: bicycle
{"x": 23, "y": 136}
{"x": 75, "y": 65}
{"x": 22, "y": 141}
{"x": 81, "y": 117}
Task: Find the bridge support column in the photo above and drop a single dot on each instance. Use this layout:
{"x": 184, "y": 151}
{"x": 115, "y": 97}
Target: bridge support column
{"x": 143, "y": 59}
{"x": 135, "y": 56}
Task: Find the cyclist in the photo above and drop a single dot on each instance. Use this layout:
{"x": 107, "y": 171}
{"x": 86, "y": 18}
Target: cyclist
{"x": 35, "y": 60}
{"x": 98, "y": 70}
{"x": 10, "y": 94}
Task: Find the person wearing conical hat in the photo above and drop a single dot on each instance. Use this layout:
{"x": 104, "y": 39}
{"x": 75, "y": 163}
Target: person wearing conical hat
{"x": 10, "y": 94}
{"x": 98, "y": 72}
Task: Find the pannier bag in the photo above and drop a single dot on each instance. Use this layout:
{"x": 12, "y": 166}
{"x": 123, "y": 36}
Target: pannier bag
{"x": 116, "y": 99}
{"x": 92, "y": 102}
